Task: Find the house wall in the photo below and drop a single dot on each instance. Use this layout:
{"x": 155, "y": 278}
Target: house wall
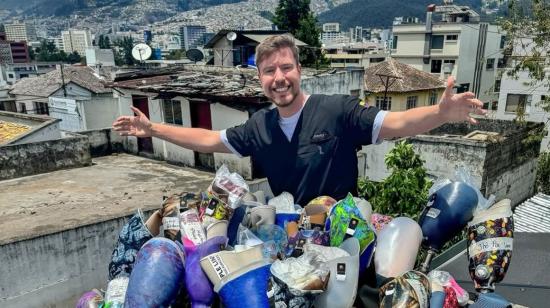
{"x": 523, "y": 85}
{"x": 224, "y": 117}
{"x": 45, "y": 156}
{"x": 49, "y": 132}
{"x": 165, "y": 150}
{"x": 101, "y": 110}
{"x": 223, "y": 51}
{"x": 65, "y": 109}
{"x": 467, "y": 55}
{"x": 488, "y": 77}
{"x": 399, "y": 100}
{"x": 337, "y": 83}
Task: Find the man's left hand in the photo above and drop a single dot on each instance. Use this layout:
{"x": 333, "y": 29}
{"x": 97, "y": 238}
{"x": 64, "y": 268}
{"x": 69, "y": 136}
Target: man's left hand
{"x": 459, "y": 107}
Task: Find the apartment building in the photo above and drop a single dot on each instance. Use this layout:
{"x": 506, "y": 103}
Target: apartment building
{"x": 76, "y": 40}
{"x": 453, "y": 41}
{"x": 354, "y": 55}
{"x": 331, "y": 34}
{"x": 192, "y": 36}
{"x": 20, "y": 31}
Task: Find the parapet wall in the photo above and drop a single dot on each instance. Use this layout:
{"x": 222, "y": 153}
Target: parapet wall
{"x": 44, "y": 156}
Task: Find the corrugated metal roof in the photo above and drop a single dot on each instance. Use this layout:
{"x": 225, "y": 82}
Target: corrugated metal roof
{"x": 533, "y": 215}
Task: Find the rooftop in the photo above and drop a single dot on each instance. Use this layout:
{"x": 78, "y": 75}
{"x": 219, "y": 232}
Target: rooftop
{"x": 114, "y": 186}
{"x": 47, "y": 84}
{"x": 14, "y": 126}
{"x": 402, "y": 78}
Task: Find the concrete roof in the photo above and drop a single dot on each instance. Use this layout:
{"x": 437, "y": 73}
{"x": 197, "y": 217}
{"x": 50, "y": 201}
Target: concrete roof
{"x": 14, "y": 126}
{"x": 114, "y": 186}
{"x": 47, "y": 84}
{"x": 404, "y": 78}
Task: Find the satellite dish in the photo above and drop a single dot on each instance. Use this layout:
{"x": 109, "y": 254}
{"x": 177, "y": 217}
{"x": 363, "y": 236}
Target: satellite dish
{"x": 141, "y": 52}
{"x": 194, "y": 54}
{"x": 231, "y": 36}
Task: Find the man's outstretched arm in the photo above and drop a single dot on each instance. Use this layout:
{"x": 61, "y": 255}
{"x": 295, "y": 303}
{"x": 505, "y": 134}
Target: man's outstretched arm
{"x": 196, "y": 139}
{"x": 451, "y": 108}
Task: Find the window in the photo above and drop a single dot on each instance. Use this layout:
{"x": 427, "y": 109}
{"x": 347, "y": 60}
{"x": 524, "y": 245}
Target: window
{"x": 433, "y": 98}
{"x": 380, "y": 103}
{"x": 437, "y": 42}
{"x": 452, "y": 37}
{"x": 502, "y": 41}
{"x": 496, "y": 88}
{"x": 436, "y": 66}
{"x": 515, "y": 102}
{"x": 411, "y": 101}
{"x": 172, "y": 112}
{"x": 394, "y": 42}
{"x": 22, "y": 108}
{"x": 10, "y": 75}
{"x": 490, "y": 64}
{"x": 463, "y": 87}
{"x": 501, "y": 63}
{"x": 10, "y": 106}
{"x": 41, "y": 108}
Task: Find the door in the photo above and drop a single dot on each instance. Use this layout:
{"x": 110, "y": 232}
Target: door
{"x": 201, "y": 118}
{"x": 145, "y": 145}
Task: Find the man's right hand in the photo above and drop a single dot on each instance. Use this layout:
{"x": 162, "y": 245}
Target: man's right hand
{"x": 138, "y": 125}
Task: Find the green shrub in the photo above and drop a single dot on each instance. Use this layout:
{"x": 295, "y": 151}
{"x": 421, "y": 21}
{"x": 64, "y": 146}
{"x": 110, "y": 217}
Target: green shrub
{"x": 543, "y": 173}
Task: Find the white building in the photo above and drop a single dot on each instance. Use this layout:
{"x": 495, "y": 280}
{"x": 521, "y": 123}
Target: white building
{"x": 522, "y": 95}
{"x": 20, "y": 32}
{"x": 96, "y": 57}
{"x": 457, "y": 44}
{"x": 358, "y": 54}
{"x": 76, "y": 40}
{"x": 82, "y": 102}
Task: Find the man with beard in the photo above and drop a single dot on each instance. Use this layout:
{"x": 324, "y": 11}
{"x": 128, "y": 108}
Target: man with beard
{"x": 307, "y": 144}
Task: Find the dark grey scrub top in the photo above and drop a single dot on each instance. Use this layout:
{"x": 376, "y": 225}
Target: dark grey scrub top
{"x": 321, "y": 158}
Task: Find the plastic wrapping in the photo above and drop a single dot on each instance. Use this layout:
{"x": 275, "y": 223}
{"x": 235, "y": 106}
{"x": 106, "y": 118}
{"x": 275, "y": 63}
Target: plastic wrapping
{"x": 283, "y": 203}
{"x": 446, "y": 280}
{"x": 116, "y": 291}
{"x": 229, "y": 187}
{"x": 246, "y": 238}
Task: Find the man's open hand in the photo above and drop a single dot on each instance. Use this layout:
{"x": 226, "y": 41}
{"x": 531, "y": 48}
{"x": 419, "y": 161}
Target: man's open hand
{"x": 138, "y": 125}
{"x": 459, "y": 107}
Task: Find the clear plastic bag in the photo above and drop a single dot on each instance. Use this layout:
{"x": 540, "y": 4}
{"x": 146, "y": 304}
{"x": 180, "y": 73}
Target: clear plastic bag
{"x": 283, "y": 203}
{"x": 462, "y": 174}
{"x": 229, "y": 187}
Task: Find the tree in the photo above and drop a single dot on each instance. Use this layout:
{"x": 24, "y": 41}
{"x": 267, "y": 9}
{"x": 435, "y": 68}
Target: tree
{"x": 527, "y": 28}
{"x": 175, "y": 55}
{"x": 73, "y": 57}
{"x": 296, "y": 17}
{"x": 405, "y": 191}
{"x": 123, "y": 54}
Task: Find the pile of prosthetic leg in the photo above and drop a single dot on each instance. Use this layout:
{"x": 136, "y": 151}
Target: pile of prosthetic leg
{"x": 229, "y": 247}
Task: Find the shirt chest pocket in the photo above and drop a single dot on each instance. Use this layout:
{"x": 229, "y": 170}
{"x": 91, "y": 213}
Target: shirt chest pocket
{"x": 321, "y": 148}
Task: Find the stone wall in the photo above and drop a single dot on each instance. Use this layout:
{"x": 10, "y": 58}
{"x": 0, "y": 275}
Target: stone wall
{"x": 504, "y": 166}
{"x": 45, "y": 156}
{"x": 104, "y": 142}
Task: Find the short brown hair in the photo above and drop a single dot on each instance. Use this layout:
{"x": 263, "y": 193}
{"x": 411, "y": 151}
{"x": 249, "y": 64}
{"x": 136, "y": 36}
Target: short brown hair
{"x": 274, "y": 43}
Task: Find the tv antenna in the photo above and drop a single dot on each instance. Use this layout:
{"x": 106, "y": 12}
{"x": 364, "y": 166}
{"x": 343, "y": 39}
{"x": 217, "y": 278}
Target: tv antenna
{"x": 231, "y": 36}
{"x": 194, "y": 55}
{"x": 141, "y": 52}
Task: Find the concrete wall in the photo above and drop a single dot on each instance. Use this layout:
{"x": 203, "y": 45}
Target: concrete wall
{"x": 45, "y": 156}
{"x": 505, "y": 168}
{"x": 56, "y": 269}
{"x": 48, "y": 132}
{"x": 337, "y": 83}
{"x": 104, "y": 142}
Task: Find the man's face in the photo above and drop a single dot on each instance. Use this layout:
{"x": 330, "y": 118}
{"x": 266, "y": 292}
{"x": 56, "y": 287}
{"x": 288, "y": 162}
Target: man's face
{"x": 280, "y": 77}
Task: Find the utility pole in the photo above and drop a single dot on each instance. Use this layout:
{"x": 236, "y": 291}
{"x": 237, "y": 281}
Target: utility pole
{"x": 385, "y": 79}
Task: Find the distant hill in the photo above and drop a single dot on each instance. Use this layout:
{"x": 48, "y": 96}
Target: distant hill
{"x": 376, "y": 13}
{"x": 68, "y": 7}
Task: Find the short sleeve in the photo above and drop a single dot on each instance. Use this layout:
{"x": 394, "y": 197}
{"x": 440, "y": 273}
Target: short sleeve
{"x": 239, "y": 138}
{"x": 360, "y": 121}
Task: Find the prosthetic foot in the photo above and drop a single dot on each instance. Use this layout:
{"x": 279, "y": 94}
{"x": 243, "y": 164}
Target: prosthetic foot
{"x": 158, "y": 274}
